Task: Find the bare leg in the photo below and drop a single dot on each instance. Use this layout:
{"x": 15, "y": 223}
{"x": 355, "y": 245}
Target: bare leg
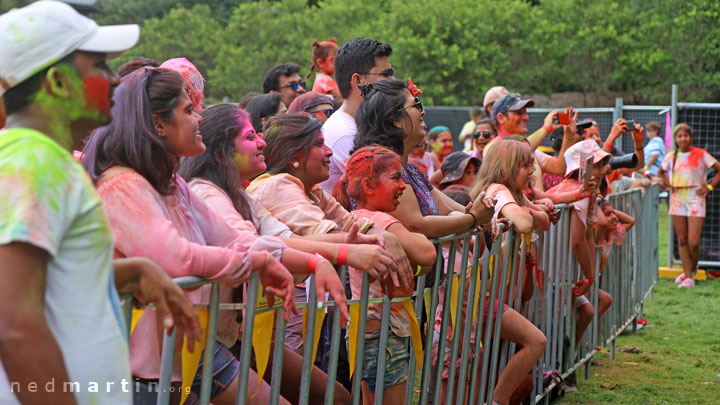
{"x": 516, "y": 328}
{"x": 695, "y": 225}
{"x": 257, "y": 394}
{"x": 583, "y": 318}
{"x": 292, "y": 374}
{"x": 681, "y": 230}
{"x": 604, "y": 302}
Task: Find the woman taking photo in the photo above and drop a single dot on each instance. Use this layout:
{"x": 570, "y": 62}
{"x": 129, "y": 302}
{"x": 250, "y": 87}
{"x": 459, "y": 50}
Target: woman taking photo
{"x": 153, "y": 214}
{"x": 685, "y": 172}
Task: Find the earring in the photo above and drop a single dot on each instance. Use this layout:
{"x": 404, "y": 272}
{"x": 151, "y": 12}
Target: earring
{"x": 296, "y": 164}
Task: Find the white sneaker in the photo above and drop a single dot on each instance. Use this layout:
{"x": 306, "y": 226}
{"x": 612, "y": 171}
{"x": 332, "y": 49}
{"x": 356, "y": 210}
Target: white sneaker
{"x": 687, "y": 283}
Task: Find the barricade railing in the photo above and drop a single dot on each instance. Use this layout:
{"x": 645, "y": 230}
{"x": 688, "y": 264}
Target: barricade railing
{"x": 468, "y": 281}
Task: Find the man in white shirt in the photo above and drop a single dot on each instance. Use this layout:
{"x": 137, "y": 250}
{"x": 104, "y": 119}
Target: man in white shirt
{"x": 358, "y": 61}
{"x": 62, "y": 339}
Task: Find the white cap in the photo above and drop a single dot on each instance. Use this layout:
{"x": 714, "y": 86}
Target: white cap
{"x": 42, "y": 33}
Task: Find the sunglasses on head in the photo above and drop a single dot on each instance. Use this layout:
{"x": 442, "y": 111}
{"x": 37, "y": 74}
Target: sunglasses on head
{"x": 484, "y": 134}
{"x": 417, "y": 104}
{"x": 389, "y": 72}
{"x": 295, "y": 85}
{"x": 327, "y": 111}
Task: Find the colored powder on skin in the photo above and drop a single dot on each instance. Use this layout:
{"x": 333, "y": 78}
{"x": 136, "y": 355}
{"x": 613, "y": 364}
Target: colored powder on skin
{"x": 97, "y": 93}
{"x": 242, "y": 162}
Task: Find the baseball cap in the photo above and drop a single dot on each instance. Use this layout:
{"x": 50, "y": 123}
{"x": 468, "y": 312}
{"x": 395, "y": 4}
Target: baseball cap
{"x": 454, "y": 166}
{"x": 42, "y": 33}
{"x": 510, "y": 102}
{"x": 493, "y": 95}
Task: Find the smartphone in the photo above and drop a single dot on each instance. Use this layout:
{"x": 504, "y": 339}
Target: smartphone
{"x": 563, "y": 118}
{"x": 588, "y": 171}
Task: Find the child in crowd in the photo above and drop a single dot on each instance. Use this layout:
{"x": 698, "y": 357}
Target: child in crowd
{"x": 505, "y": 175}
{"x": 373, "y": 181}
{"x": 441, "y": 143}
{"x": 458, "y": 169}
{"x": 618, "y": 224}
{"x": 420, "y": 157}
{"x": 685, "y": 172}
{"x": 323, "y": 59}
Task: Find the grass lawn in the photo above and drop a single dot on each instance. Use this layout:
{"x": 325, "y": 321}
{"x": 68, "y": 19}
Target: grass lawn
{"x": 681, "y": 358}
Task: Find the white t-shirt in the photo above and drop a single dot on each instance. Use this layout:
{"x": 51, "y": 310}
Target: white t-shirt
{"x": 49, "y": 202}
{"x": 339, "y": 133}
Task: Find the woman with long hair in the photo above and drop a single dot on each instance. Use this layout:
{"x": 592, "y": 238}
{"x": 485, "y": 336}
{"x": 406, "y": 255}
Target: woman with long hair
{"x": 153, "y": 214}
{"x": 685, "y": 172}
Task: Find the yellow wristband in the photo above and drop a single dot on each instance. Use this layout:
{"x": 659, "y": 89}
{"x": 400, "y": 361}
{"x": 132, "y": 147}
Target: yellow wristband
{"x": 710, "y": 187}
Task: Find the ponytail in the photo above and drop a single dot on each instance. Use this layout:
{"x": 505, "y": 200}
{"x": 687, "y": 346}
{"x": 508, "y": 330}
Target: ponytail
{"x": 340, "y": 192}
{"x": 321, "y": 50}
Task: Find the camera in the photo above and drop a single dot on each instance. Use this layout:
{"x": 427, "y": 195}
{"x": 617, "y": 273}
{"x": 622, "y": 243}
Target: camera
{"x": 629, "y": 161}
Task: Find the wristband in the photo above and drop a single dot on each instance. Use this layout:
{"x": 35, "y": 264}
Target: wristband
{"x": 474, "y": 225}
{"x": 577, "y": 195}
{"x": 639, "y": 148}
{"x": 313, "y": 262}
{"x": 710, "y": 187}
{"x": 608, "y": 145}
{"x": 419, "y": 269}
{"x": 342, "y": 254}
{"x": 547, "y": 128}
{"x": 267, "y": 260}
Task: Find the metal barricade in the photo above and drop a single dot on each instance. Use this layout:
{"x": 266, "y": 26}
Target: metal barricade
{"x": 471, "y": 283}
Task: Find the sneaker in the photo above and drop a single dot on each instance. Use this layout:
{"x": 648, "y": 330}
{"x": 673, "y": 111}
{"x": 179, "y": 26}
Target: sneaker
{"x": 570, "y": 383}
{"x": 680, "y": 278}
{"x": 687, "y": 283}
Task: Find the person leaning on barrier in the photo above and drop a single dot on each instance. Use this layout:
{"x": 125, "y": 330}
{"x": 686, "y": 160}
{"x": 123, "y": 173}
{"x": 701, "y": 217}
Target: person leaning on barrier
{"x": 233, "y": 157}
{"x": 59, "y": 309}
{"x": 153, "y": 214}
{"x": 505, "y": 174}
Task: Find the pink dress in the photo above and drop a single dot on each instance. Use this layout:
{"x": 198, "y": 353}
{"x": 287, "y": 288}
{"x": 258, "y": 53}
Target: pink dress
{"x": 324, "y": 84}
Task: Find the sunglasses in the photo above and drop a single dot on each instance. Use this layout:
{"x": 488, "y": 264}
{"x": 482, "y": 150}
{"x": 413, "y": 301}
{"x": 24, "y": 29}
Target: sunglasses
{"x": 390, "y": 72}
{"x": 295, "y": 85}
{"x": 327, "y": 111}
{"x": 484, "y": 134}
{"x": 417, "y": 104}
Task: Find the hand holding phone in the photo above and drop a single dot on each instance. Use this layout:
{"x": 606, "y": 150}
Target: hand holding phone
{"x": 588, "y": 171}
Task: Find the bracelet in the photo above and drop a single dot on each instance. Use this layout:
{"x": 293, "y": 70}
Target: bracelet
{"x": 342, "y": 254}
{"x": 608, "y": 145}
{"x": 267, "y": 260}
{"x": 474, "y": 225}
{"x": 639, "y": 148}
{"x": 547, "y": 128}
{"x": 577, "y": 195}
{"x": 710, "y": 187}
{"x": 313, "y": 262}
{"x": 419, "y": 269}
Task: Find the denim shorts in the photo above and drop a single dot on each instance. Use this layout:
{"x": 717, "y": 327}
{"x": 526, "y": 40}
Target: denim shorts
{"x": 225, "y": 368}
{"x": 396, "y": 360}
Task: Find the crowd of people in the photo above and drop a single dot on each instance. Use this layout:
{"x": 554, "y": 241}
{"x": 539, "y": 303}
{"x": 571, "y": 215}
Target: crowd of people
{"x": 119, "y": 182}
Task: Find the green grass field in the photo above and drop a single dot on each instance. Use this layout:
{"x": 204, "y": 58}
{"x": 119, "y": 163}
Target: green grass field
{"x": 681, "y": 358}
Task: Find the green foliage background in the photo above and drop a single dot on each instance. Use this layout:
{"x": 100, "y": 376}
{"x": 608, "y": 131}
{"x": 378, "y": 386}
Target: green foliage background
{"x": 453, "y": 49}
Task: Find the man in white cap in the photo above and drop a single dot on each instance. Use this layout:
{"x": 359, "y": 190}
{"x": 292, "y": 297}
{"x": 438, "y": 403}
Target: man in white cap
{"x": 62, "y": 330}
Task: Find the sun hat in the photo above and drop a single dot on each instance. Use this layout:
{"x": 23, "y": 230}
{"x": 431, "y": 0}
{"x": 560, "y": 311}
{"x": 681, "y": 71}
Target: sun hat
{"x": 42, "y": 33}
{"x": 576, "y": 155}
{"x": 454, "y": 166}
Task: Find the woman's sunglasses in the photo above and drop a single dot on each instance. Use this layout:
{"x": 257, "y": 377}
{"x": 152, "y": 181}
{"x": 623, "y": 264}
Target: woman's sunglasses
{"x": 417, "y": 104}
{"x": 484, "y": 134}
{"x": 327, "y": 111}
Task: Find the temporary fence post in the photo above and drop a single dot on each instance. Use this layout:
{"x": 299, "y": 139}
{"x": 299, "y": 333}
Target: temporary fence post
{"x": 490, "y": 251}
{"x": 458, "y": 321}
{"x": 673, "y": 122}
{"x": 334, "y": 347}
{"x": 360, "y": 348}
{"x": 209, "y": 355}
{"x": 246, "y": 348}
{"x": 429, "y": 336}
{"x": 412, "y": 391}
{"x": 278, "y": 354}
{"x": 308, "y": 341}
{"x": 442, "y": 340}
{"x": 467, "y": 332}
{"x": 166, "y": 366}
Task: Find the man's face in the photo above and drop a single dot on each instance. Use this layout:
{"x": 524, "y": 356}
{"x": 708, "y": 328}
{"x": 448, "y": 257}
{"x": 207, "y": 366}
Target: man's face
{"x": 381, "y": 71}
{"x": 594, "y": 134}
{"x": 289, "y": 87}
{"x": 515, "y": 122}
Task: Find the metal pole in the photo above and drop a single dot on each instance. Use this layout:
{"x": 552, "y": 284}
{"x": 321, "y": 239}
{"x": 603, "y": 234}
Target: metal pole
{"x": 673, "y": 122}
{"x": 166, "y": 365}
{"x": 209, "y": 355}
{"x": 334, "y": 347}
{"x": 307, "y": 363}
{"x": 246, "y": 349}
{"x": 617, "y": 114}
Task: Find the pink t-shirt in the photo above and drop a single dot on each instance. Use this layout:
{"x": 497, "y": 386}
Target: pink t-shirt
{"x": 690, "y": 168}
{"x": 184, "y": 237}
{"x": 324, "y": 84}
{"x": 399, "y": 319}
